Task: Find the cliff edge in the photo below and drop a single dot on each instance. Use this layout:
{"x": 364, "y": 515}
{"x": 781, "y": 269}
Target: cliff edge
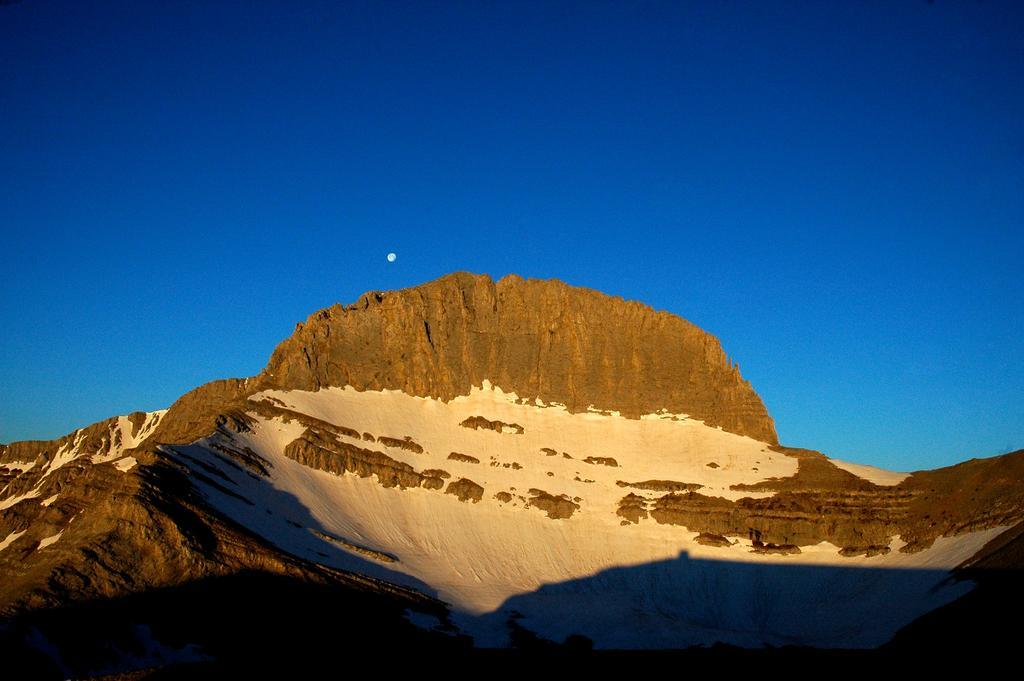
{"x": 538, "y": 338}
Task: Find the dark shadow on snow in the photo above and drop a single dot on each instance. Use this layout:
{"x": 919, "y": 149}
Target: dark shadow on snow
{"x": 279, "y": 517}
{"x": 704, "y": 614}
{"x": 685, "y": 602}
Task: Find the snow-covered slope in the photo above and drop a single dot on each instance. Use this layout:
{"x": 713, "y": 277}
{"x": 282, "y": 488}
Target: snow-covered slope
{"x": 536, "y": 535}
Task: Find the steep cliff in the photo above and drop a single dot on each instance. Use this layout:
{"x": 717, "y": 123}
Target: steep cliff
{"x": 538, "y": 338}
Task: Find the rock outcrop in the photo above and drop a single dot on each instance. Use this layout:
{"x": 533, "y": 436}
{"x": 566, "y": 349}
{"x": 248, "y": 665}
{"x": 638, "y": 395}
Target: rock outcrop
{"x": 538, "y": 338}
{"x": 825, "y": 503}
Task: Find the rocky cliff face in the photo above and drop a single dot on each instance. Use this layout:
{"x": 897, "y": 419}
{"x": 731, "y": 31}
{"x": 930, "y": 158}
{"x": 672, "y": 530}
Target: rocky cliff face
{"x": 537, "y": 338}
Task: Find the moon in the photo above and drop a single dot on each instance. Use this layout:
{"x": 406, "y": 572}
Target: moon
{"x": 392, "y": 257}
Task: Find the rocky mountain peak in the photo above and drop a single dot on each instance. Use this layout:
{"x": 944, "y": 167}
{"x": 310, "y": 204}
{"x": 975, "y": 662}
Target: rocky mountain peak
{"x": 540, "y": 338}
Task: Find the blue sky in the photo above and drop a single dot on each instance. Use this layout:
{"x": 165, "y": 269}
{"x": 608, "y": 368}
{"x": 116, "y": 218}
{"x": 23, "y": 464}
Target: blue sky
{"x": 836, "y": 190}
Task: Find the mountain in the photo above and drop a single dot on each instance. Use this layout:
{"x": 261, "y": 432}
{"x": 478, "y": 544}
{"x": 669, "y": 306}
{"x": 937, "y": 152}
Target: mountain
{"x": 484, "y": 463}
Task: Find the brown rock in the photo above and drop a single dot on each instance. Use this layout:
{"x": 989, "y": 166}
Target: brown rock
{"x": 557, "y": 507}
{"x": 480, "y": 422}
{"x": 466, "y": 490}
{"x": 328, "y": 454}
{"x": 661, "y": 485}
{"x": 709, "y": 539}
{"x": 776, "y": 549}
{"x": 601, "y": 461}
{"x": 357, "y": 548}
{"x": 404, "y": 443}
{"x": 501, "y": 331}
{"x": 464, "y": 458}
{"x": 868, "y": 551}
{"x": 633, "y": 508}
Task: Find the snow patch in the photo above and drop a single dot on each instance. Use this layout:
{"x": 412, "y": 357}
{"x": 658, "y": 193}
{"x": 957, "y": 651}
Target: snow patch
{"x": 11, "y": 501}
{"x": 120, "y": 438}
{"x": 126, "y": 464}
{"x": 11, "y": 538}
{"x": 68, "y": 452}
{"x": 879, "y": 476}
{"x": 43, "y": 543}
{"x": 20, "y": 466}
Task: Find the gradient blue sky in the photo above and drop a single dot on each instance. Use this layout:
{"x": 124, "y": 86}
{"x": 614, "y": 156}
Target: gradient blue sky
{"x": 834, "y": 189}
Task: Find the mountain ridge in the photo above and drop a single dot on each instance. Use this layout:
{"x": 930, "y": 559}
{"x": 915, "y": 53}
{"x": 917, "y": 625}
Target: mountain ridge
{"x": 459, "y": 444}
{"x": 723, "y": 398}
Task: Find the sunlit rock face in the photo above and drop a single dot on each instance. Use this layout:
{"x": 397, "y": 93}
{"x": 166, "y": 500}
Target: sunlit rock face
{"x": 512, "y": 455}
{"x": 536, "y": 338}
